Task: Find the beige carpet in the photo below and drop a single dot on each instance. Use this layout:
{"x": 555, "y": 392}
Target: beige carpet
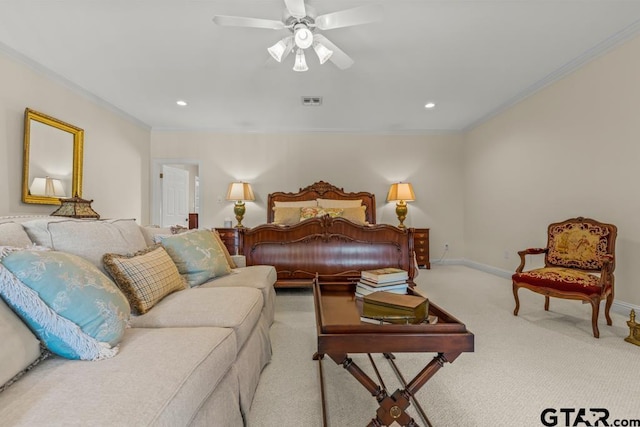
{"x": 521, "y": 365}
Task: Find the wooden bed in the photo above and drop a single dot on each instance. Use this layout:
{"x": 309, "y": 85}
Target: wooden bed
{"x": 334, "y": 248}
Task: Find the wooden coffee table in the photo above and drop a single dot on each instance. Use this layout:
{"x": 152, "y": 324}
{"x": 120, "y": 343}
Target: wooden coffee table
{"x": 340, "y": 332}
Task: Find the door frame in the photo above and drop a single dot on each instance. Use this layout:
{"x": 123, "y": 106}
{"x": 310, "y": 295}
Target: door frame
{"x": 156, "y": 185}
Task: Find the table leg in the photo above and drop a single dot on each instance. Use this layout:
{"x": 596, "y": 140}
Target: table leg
{"x": 391, "y": 408}
{"x": 319, "y": 358}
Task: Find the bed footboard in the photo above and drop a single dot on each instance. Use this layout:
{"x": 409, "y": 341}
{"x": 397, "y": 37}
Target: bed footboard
{"x": 334, "y": 248}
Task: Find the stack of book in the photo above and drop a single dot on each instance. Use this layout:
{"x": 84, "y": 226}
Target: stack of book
{"x": 382, "y": 279}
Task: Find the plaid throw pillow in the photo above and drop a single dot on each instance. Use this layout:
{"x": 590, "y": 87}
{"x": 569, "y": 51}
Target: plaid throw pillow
{"x": 145, "y": 277}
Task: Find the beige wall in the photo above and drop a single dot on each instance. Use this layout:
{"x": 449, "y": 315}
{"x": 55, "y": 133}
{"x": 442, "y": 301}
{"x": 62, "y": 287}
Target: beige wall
{"x": 116, "y": 150}
{"x": 286, "y": 162}
{"x": 570, "y": 150}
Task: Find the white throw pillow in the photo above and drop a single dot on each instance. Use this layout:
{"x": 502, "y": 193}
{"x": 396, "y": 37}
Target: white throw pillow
{"x": 330, "y": 203}
{"x": 299, "y": 204}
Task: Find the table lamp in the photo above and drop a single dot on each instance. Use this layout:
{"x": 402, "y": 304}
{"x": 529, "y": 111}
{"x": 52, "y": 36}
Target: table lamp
{"x": 401, "y": 192}
{"x": 239, "y": 192}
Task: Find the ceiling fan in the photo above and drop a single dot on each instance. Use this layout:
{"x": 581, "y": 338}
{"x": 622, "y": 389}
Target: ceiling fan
{"x": 302, "y": 21}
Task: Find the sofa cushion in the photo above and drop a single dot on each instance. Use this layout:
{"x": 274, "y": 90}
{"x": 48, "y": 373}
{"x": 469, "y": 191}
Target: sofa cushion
{"x": 197, "y": 255}
{"x": 75, "y": 309}
{"x": 90, "y": 239}
{"x": 145, "y": 277}
{"x": 161, "y": 377}
{"x": 561, "y": 279}
{"x": 236, "y": 308}
{"x": 261, "y": 277}
{"x": 38, "y": 229}
{"x": 13, "y": 234}
{"x": 150, "y": 231}
{"x": 19, "y": 349}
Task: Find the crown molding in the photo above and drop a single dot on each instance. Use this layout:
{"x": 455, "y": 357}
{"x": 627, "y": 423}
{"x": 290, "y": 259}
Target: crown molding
{"x": 596, "y": 51}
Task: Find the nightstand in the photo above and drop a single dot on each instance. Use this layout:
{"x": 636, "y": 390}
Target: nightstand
{"x": 230, "y": 238}
{"x": 421, "y": 246}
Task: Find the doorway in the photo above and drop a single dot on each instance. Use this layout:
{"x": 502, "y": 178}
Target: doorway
{"x": 176, "y": 191}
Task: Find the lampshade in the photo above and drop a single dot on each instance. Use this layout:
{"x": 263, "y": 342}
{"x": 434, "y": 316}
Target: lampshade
{"x": 240, "y": 191}
{"x": 301, "y": 63}
{"x": 322, "y": 51}
{"x": 401, "y": 191}
{"x": 281, "y": 49}
{"x": 302, "y": 36}
{"x": 48, "y": 187}
{"x": 76, "y": 207}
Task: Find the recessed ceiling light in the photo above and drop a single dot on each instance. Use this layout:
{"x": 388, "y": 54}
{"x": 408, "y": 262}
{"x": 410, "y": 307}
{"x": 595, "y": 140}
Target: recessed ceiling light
{"x": 429, "y": 105}
{"x": 181, "y": 103}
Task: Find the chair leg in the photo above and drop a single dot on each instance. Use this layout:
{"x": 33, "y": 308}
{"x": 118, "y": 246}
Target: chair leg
{"x": 607, "y": 307}
{"x": 595, "y": 305}
{"x": 515, "y": 295}
{"x": 546, "y": 303}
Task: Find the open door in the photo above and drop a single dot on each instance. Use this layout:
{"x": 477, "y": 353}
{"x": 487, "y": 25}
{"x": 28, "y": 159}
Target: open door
{"x": 175, "y": 196}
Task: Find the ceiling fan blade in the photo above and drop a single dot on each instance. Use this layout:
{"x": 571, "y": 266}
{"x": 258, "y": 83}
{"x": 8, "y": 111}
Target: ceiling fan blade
{"x": 296, "y": 8}
{"x": 241, "y": 21}
{"x": 341, "y": 59}
{"x": 347, "y": 18}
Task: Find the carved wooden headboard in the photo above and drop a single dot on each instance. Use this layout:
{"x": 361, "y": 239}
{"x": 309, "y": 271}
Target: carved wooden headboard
{"x": 323, "y": 190}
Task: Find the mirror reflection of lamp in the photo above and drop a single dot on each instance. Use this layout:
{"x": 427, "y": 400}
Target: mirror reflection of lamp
{"x": 47, "y": 186}
{"x": 240, "y": 191}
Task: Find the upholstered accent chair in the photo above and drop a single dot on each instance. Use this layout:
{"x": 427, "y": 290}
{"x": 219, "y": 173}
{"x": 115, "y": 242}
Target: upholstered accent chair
{"x": 578, "y": 264}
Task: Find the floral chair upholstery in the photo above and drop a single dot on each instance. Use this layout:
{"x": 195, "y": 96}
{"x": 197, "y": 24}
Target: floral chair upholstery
{"x": 579, "y": 263}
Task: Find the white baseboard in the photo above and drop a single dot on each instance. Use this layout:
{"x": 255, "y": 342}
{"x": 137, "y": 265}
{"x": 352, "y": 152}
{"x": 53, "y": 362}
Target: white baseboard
{"x": 618, "y": 306}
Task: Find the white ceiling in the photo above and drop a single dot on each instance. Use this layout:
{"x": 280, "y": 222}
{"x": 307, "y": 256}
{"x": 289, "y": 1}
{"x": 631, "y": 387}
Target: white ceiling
{"x": 473, "y": 58}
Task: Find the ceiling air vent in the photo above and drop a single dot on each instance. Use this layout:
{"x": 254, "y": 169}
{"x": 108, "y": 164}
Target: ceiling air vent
{"x": 312, "y": 101}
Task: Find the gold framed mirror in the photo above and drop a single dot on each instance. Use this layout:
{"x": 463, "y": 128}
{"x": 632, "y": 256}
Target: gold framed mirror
{"x": 52, "y": 159}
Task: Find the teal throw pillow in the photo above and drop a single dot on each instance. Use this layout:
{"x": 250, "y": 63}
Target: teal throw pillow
{"x": 197, "y": 255}
{"x": 69, "y": 304}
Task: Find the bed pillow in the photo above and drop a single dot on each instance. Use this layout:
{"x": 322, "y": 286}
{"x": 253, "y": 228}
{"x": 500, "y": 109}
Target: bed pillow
{"x": 356, "y": 215}
{"x": 197, "y": 255}
{"x": 14, "y": 234}
{"x": 308, "y": 213}
{"x": 70, "y": 305}
{"x": 286, "y": 216}
{"x": 145, "y": 277}
{"x": 330, "y": 203}
{"x": 298, "y": 204}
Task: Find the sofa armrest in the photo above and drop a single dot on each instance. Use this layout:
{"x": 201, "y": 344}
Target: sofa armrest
{"x": 240, "y": 260}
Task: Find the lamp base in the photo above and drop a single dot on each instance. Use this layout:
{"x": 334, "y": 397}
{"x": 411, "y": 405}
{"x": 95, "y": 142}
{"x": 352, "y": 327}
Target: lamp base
{"x": 401, "y": 212}
{"x": 239, "y": 209}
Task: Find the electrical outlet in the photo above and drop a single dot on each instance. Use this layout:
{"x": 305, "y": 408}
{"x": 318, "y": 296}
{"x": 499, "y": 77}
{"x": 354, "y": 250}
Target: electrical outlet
{"x": 506, "y": 254}
{"x": 446, "y": 246}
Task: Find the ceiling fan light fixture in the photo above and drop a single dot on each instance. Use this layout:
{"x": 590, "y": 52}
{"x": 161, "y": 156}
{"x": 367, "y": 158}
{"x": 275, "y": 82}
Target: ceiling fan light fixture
{"x": 302, "y": 36}
{"x": 323, "y": 52}
{"x": 301, "y": 63}
{"x": 280, "y": 49}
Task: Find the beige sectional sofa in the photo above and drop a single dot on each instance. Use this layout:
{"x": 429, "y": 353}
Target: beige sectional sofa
{"x": 194, "y": 358}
